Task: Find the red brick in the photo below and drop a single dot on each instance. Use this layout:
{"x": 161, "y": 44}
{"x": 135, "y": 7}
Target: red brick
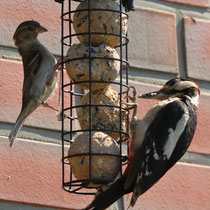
{"x": 11, "y": 95}
{"x": 183, "y": 187}
{"x": 153, "y": 43}
{"x": 197, "y": 48}
{"x": 200, "y": 143}
{"x": 194, "y": 3}
{"x": 31, "y": 173}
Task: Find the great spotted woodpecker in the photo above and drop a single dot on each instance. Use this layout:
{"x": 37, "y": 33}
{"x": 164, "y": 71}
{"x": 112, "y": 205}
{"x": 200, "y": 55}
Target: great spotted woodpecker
{"x": 158, "y": 141}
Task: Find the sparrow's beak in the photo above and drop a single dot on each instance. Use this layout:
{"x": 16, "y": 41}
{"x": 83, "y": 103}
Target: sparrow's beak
{"x": 159, "y": 95}
{"x": 41, "y": 29}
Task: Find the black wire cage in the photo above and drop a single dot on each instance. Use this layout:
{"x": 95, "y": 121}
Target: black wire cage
{"x": 71, "y": 95}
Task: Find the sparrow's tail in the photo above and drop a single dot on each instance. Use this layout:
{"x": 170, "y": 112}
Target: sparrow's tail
{"x": 114, "y": 191}
{"x": 26, "y": 110}
{"x": 14, "y": 132}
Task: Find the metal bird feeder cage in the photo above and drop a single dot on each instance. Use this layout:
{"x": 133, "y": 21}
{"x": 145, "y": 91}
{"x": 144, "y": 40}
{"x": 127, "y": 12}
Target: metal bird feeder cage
{"x": 71, "y": 95}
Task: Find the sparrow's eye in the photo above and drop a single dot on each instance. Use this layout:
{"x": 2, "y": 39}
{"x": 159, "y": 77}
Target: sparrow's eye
{"x": 30, "y": 28}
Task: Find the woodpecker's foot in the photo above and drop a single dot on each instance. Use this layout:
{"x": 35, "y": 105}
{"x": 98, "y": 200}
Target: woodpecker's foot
{"x": 130, "y": 105}
{"x": 45, "y": 104}
{"x": 133, "y": 103}
{"x": 132, "y": 98}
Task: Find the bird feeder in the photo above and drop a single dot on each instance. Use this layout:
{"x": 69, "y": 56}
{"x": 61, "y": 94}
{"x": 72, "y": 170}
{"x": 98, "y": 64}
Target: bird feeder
{"x": 94, "y": 57}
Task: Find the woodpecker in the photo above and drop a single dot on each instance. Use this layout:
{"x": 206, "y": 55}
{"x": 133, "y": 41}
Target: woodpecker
{"x": 158, "y": 140}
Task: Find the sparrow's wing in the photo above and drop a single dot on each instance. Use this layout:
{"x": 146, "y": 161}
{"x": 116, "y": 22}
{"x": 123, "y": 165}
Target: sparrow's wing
{"x": 31, "y": 68}
{"x": 153, "y": 158}
{"x": 32, "y": 63}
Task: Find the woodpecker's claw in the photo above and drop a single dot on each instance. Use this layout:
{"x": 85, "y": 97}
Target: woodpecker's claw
{"x": 134, "y": 104}
{"x": 126, "y": 92}
{"x": 130, "y": 105}
{"x": 134, "y": 93}
{"x": 132, "y": 98}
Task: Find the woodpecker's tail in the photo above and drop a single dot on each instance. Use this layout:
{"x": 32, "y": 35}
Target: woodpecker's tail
{"x": 14, "y": 132}
{"x": 106, "y": 198}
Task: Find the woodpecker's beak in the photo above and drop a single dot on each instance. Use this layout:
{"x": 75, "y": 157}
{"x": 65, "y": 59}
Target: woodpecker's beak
{"x": 160, "y": 95}
{"x": 41, "y": 29}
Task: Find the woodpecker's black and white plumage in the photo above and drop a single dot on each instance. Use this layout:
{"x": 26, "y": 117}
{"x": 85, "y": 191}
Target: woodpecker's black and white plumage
{"x": 158, "y": 141}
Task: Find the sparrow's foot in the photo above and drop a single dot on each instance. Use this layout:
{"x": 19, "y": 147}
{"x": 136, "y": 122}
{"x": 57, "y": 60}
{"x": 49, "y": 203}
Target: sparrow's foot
{"x": 45, "y": 104}
{"x": 59, "y": 116}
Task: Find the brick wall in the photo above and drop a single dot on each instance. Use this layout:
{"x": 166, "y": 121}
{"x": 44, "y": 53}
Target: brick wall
{"x": 168, "y": 38}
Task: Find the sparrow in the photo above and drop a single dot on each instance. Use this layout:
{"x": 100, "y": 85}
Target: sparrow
{"x": 40, "y": 71}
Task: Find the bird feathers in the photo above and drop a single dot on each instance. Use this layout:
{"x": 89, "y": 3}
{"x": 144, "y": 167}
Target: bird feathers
{"x": 38, "y": 65}
{"x": 158, "y": 141}
{"x": 114, "y": 191}
{"x": 14, "y": 132}
{"x": 151, "y": 160}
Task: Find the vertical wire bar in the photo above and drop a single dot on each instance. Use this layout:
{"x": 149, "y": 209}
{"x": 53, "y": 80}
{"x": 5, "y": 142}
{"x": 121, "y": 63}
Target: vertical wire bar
{"x": 121, "y": 84}
{"x": 128, "y": 124}
{"x": 127, "y": 71}
{"x": 70, "y": 22}
{"x": 126, "y": 57}
{"x": 90, "y": 95}
{"x": 62, "y": 95}
{"x": 71, "y": 94}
